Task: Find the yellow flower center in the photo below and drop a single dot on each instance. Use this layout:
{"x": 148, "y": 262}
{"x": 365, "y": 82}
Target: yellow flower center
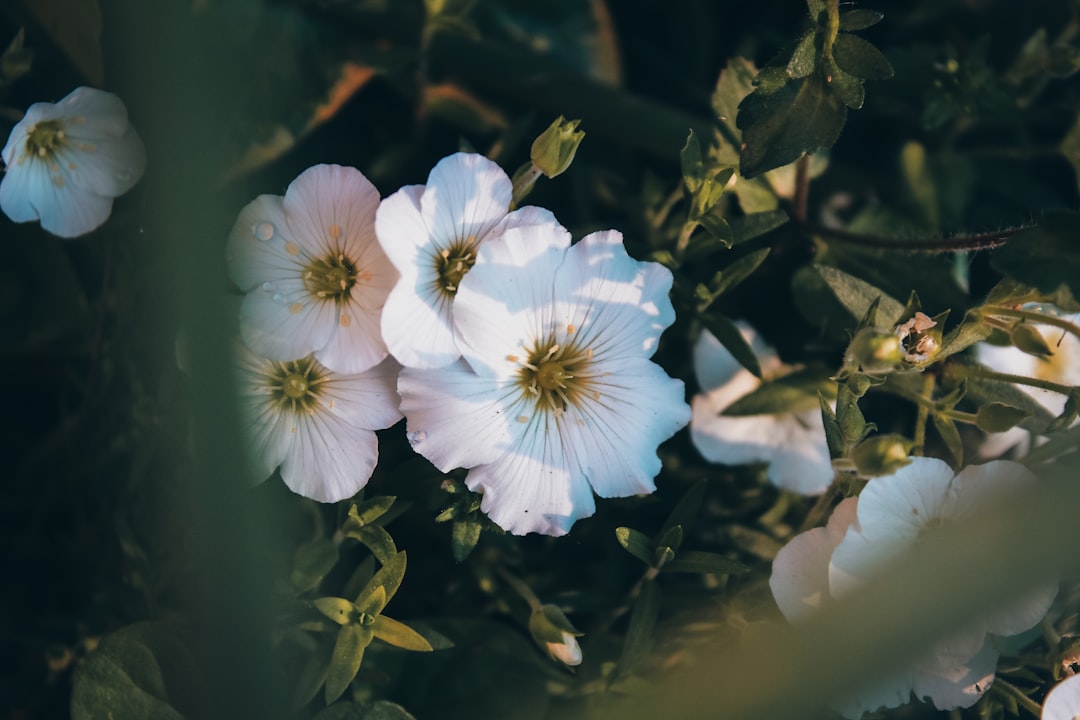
{"x": 295, "y": 386}
{"x": 452, "y": 264}
{"x": 331, "y": 278}
{"x": 45, "y": 139}
{"x": 557, "y": 376}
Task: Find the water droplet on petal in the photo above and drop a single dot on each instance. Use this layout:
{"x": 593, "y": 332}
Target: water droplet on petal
{"x": 416, "y": 437}
{"x": 269, "y": 287}
{"x": 279, "y": 298}
{"x": 263, "y": 230}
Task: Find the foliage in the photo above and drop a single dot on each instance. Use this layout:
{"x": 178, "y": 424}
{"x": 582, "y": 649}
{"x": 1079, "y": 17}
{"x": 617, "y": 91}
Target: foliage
{"x": 883, "y": 190}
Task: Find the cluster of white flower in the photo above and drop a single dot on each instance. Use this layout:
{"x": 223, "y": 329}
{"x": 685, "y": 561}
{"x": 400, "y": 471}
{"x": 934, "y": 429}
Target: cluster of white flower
{"x": 66, "y": 162}
{"x": 526, "y": 358}
{"x": 865, "y": 533}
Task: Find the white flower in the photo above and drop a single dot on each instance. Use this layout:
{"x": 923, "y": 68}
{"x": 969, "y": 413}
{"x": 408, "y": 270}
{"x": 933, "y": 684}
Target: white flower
{"x": 556, "y": 396}
{"x": 315, "y": 277}
{"x": 800, "y": 585}
{"x": 792, "y": 443}
{"x": 1063, "y": 700}
{"x": 1062, "y": 367}
{"x": 432, "y": 233}
{"x": 316, "y": 424}
{"x": 66, "y": 162}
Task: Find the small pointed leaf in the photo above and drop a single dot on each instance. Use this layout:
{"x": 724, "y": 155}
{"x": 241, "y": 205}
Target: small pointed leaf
{"x": 694, "y": 561}
{"x": 345, "y": 661}
{"x": 635, "y": 543}
{"x": 729, "y": 336}
{"x": 858, "y": 57}
{"x": 399, "y": 635}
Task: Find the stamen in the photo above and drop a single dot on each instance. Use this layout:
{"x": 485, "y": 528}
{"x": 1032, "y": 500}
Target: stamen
{"x": 345, "y": 320}
{"x": 570, "y": 329}
{"x": 292, "y": 248}
{"x": 554, "y": 349}
{"x": 523, "y": 418}
{"x": 295, "y": 308}
{"x": 588, "y": 353}
{"x": 335, "y": 231}
{"x": 512, "y": 358}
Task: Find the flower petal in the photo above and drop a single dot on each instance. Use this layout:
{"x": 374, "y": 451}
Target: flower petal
{"x": 401, "y": 230}
{"x": 367, "y": 400}
{"x": 1063, "y": 700}
{"x": 417, "y": 326}
{"x": 505, "y": 302}
{"x": 255, "y": 251}
{"x": 282, "y": 323}
{"x": 330, "y": 459}
{"x": 800, "y": 571}
{"x": 357, "y": 342}
{"x": 892, "y": 512}
{"x": 457, "y": 419}
{"x": 90, "y": 114}
{"x": 715, "y": 366}
{"x": 613, "y": 436}
{"x": 618, "y": 305}
{"x": 950, "y": 684}
{"x": 331, "y": 211}
{"x": 532, "y": 487}
{"x": 29, "y": 191}
{"x": 466, "y": 196}
{"x": 108, "y": 167}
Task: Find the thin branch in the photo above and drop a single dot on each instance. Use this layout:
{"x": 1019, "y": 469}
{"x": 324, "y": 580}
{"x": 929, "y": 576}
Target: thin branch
{"x": 957, "y": 243}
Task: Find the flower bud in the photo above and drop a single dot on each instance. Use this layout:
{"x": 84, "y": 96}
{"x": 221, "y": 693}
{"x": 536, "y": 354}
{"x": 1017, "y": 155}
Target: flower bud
{"x": 554, "y": 633}
{"x": 873, "y": 350}
{"x": 554, "y": 150}
{"x": 882, "y": 454}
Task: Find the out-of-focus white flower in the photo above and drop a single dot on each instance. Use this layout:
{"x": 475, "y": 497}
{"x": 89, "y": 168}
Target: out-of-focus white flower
{"x": 432, "y": 234}
{"x": 568, "y": 652}
{"x": 1063, "y": 700}
{"x": 1062, "y": 367}
{"x": 315, "y": 277}
{"x": 555, "y": 396}
{"x": 317, "y": 425}
{"x": 864, "y": 534}
{"x": 67, "y": 161}
{"x": 792, "y": 443}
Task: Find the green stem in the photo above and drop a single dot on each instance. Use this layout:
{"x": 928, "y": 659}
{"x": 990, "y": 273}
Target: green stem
{"x": 985, "y": 374}
{"x": 684, "y": 238}
{"x": 923, "y": 413}
{"x": 1021, "y": 699}
{"x": 520, "y": 588}
{"x": 979, "y": 241}
{"x": 832, "y": 29}
{"x": 1032, "y": 316}
{"x": 802, "y": 188}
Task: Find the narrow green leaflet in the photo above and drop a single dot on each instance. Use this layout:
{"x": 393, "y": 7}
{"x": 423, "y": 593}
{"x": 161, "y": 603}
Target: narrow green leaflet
{"x": 686, "y": 510}
{"x": 399, "y": 635}
{"x": 465, "y": 533}
{"x": 859, "y": 19}
{"x": 856, "y": 295}
{"x": 998, "y": 417}
{"x": 795, "y": 392}
{"x": 730, "y": 337}
{"x": 739, "y": 270}
{"x": 861, "y": 59}
{"x": 370, "y": 510}
{"x": 388, "y": 577}
{"x": 635, "y": 543}
{"x": 757, "y": 224}
{"x": 376, "y": 539}
{"x": 639, "y": 633}
{"x": 345, "y": 661}
{"x": 337, "y": 609}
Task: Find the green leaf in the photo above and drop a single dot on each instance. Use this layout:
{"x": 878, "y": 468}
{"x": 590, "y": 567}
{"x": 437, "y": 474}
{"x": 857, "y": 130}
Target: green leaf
{"x": 1068, "y": 414}
{"x": 793, "y": 393}
{"x": 635, "y": 543}
{"x": 1045, "y": 257}
{"x": 141, "y": 672}
{"x": 998, "y": 417}
{"x": 858, "y": 57}
{"x": 464, "y": 535}
{"x": 690, "y": 158}
{"x": 345, "y": 661}
{"x": 1031, "y": 341}
{"x": 312, "y": 676}
{"x": 376, "y": 539}
{"x": 981, "y": 391}
{"x": 756, "y": 224}
{"x": 729, "y": 336}
{"x": 389, "y": 578}
{"x": 311, "y": 563}
{"x": 694, "y": 561}
{"x": 399, "y": 635}
{"x": 739, "y": 270}
{"x": 370, "y": 510}
{"x": 833, "y": 437}
{"x": 686, "y": 510}
{"x": 963, "y": 336}
{"x": 859, "y": 19}
{"x": 359, "y": 577}
{"x": 856, "y": 295}
{"x": 671, "y": 538}
{"x": 337, "y": 609}
{"x": 778, "y": 128}
{"x": 639, "y": 633}
{"x": 846, "y": 86}
{"x": 717, "y": 226}
{"x": 804, "y": 59}
{"x": 947, "y": 430}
